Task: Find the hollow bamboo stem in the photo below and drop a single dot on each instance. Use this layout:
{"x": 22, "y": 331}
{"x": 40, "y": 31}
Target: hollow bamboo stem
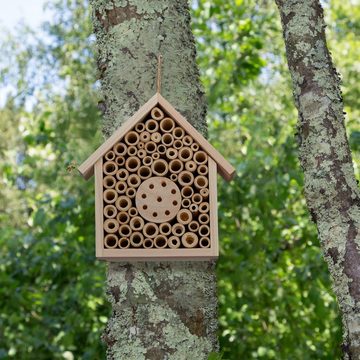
{"x": 134, "y": 180}
{"x": 110, "y": 155}
{"x": 176, "y": 166}
{"x": 132, "y": 138}
{"x": 157, "y": 114}
{"x": 150, "y": 230}
{"x": 132, "y": 164}
{"x": 130, "y": 192}
{"x": 178, "y": 144}
{"x": 159, "y": 167}
{"x": 171, "y": 153}
{"x": 185, "y": 178}
{"x": 145, "y": 136}
{"x": 150, "y": 147}
{"x": 121, "y": 187}
{"x": 178, "y": 229}
{"x": 136, "y": 239}
{"x": 204, "y": 219}
{"x": 187, "y": 192}
{"x": 142, "y": 153}
{"x": 123, "y": 203}
{"x": 109, "y": 182}
{"x": 111, "y": 241}
{"x": 110, "y": 211}
{"x": 133, "y": 211}
{"x": 194, "y": 226}
{"x": 120, "y": 160}
{"x": 156, "y": 137}
{"x": 144, "y": 172}
{"x": 185, "y": 154}
{"x": 120, "y": 149}
{"x": 124, "y": 243}
{"x": 132, "y": 150}
{"x": 167, "y": 125}
{"x": 137, "y": 223}
{"x": 174, "y": 242}
{"x": 165, "y": 228}
{"x": 189, "y": 240}
{"x": 110, "y": 196}
{"x": 139, "y": 127}
{"x": 204, "y": 207}
{"x": 148, "y": 243}
{"x": 151, "y": 126}
{"x": 204, "y": 193}
{"x": 125, "y": 230}
{"x": 178, "y": 133}
{"x": 167, "y": 139}
{"x": 204, "y": 242}
{"x": 190, "y": 166}
{"x": 122, "y": 174}
{"x": 187, "y": 140}
{"x": 204, "y": 230}
{"x": 160, "y": 241}
{"x": 184, "y": 216}
{"x": 110, "y": 168}
{"x": 111, "y": 226}
{"x": 185, "y": 203}
{"x": 203, "y": 170}
{"x": 200, "y": 157}
{"x": 123, "y": 217}
{"x": 147, "y": 160}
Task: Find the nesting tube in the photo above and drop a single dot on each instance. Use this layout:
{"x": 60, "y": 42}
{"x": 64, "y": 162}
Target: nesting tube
{"x": 110, "y": 196}
{"x": 194, "y": 147}
{"x": 132, "y": 138}
{"x": 178, "y": 229}
{"x": 151, "y": 126}
{"x": 110, "y": 211}
{"x": 132, "y": 164}
{"x": 204, "y": 242}
{"x": 167, "y": 139}
{"x": 137, "y": 223}
{"x": 167, "y": 125}
{"x": 133, "y": 211}
{"x": 122, "y": 174}
{"x": 110, "y": 155}
{"x": 187, "y": 140}
{"x": 173, "y": 177}
{"x": 194, "y": 208}
{"x": 161, "y": 149}
{"x": 171, "y": 153}
{"x": 150, "y": 230}
{"x": 141, "y": 153}
{"x": 185, "y": 203}
{"x": 134, "y": 180}
{"x": 145, "y": 136}
{"x": 204, "y": 193}
{"x": 121, "y": 187}
{"x": 204, "y": 230}
{"x": 111, "y": 241}
{"x": 204, "y": 207}
{"x": 155, "y": 156}
{"x": 130, "y": 192}
{"x": 120, "y": 149}
{"x": 147, "y": 160}
{"x": 190, "y": 166}
{"x": 200, "y": 157}
{"x": 184, "y": 216}
{"x": 110, "y": 168}
{"x": 123, "y": 203}
{"x": 174, "y": 242}
{"x": 194, "y": 226}
{"x": 178, "y": 144}
{"x": 139, "y": 127}
{"x": 157, "y": 114}
{"x": 132, "y": 150}
{"x": 159, "y": 167}
{"x": 201, "y": 182}
{"x": 185, "y": 154}
{"x": 176, "y": 166}
{"x": 160, "y": 241}
{"x": 109, "y": 182}
{"x": 204, "y": 219}
{"x": 144, "y": 172}
{"x": 111, "y": 226}
{"x": 124, "y": 243}
{"x": 187, "y": 192}
{"x": 148, "y": 243}
{"x": 120, "y": 160}
{"x": 189, "y": 240}
{"x": 123, "y": 217}
{"x": 136, "y": 239}
{"x": 150, "y": 147}
{"x": 140, "y": 145}
{"x": 203, "y": 170}
{"x": 156, "y": 137}
{"x": 178, "y": 133}
{"x": 125, "y": 230}
{"x": 186, "y": 178}
{"x": 197, "y": 199}
{"x": 165, "y": 228}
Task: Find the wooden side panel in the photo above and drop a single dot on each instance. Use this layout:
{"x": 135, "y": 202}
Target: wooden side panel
{"x": 214, "y": 236}
{"x": 99, "y": 209}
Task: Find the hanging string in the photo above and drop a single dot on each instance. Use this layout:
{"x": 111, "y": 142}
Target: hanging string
{"x": 158, "y": 78}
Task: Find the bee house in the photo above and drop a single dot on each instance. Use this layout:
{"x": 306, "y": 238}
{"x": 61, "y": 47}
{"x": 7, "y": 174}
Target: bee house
{"x": 156, "y": 188}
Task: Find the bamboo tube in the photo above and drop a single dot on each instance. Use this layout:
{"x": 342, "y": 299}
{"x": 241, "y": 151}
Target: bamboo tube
{"x": 194, "y": 209}
{"x": 131, "y": 192}
{"x": 157, "y": 114}
{"x": 151, "y": 126}
{"x": 141, "y": 153}
{"x": 159, "y": 167}
{"x": 150, "y": 230}
{"x": 111, "y": 241}
{"x": 204, "y": 219}
{"x": 139, "y": 127}
{"x": 185, "y": 154}
{"x": 174, "y": 242}
{"x": 110, "y": 168}
{"x": 156, "y": 137}
{"x": 178, "y": 133}
{"x": 110, "y": 211}
{"x": 155, "y": 156}
{"x": 160, "y": 241}
{"x": 178, "y": 144}
{"x": 110, "y": 155}
{"x": 189, "y": 240}
{"x": 132, "y": 163}
{"x": 204, "y": 193}
{"x": 134, "y": 180}
{"x": 197, "y": 199}
{"x": 140, "y": 145}
{"x": 190, "y": 166}
{"x": 186, "y": 178}
{"x": 150, "y": 147}
{"x": 120, "y": 149}
{"x": 178, "y": 229}
{"x": 201, "y": 182}
{"x": 148, "y": 243}
{"x": 204, "y": 230}
{"x": 111, "y": 226}
{"x": 194, "y": 147}
{"x": 131, "y": 138}
{"x": 121, "y": 187}
{"x": 120, "y": 160}
{"x": 184, "y": 216}
{"x": 147, "y": 160}
{"x": 187, "y": 192}
{"x": 187, "y": 140}
{"x": 185, "y": 203}
{"x": 167, "y": 139}
{"x": 136, "y": 239}
{"x": 125, "y": 230}
{"x": 109, "y": 182}
{"x": 123, "y": 217}
{"x": 122, "y": 174}
{"x": 132, "y": 150}
{"x": 194, "y": 226}
{"x": 145, "y": 136}
{"x": 124, "y": 243}
{"x": 173, "y": 177}
{"x": 165, "y": 228}
{"x": 133, "y": 211}
{"x": 144, "y": 172}
{"x": 204, "y": 242}
{"x": 161, "y": 149}
{"x": 204, "y": 207}
{"x": 167, "y": 125}
{"x": 203, "y": 170}
{"x": 123, "y": 203}
{"x": 136, "y": 223}
{"x": 171, "y": 153}
{"x": 110, "y": 196}
{"x": 200, "y": 157}
{"x": 176, "y": 166}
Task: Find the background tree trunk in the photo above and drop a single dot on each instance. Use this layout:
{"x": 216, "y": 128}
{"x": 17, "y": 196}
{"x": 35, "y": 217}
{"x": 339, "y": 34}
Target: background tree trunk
{"x": 331, "y": 190}
{"x": 160, "y": 310}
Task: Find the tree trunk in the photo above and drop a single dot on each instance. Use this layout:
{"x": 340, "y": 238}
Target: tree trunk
{"x": 161, "y": 310}
{"x": 331, "y": 189}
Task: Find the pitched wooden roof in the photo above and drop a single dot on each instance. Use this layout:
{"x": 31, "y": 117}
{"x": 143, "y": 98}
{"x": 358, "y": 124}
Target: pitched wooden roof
{"x": 225, "y": 169}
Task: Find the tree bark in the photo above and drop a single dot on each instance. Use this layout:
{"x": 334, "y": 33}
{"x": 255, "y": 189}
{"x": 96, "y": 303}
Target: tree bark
{"x": 164, "y": 310}
{"x": 331, "y": 189}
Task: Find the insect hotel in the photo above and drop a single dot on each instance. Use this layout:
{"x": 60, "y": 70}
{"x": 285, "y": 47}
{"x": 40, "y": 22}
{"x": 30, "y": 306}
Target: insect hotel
{"x": 155, "y": 188}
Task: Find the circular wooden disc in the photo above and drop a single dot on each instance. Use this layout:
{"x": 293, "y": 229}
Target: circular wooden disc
{"x": 158, "y": 199}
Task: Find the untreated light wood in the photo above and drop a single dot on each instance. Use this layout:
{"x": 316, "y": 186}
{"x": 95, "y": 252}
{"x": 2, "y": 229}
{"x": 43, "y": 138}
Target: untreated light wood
{"x": 99, "y": 238}
{"x": 214, "y": 242}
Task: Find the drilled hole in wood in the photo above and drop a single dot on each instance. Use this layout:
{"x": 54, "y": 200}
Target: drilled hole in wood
{"x": 175, "y": 202}
{"x": 167, "y": 212}
{"x": 159, "y": 199}
{"x": 151, "y": 186}
{"x": 145, "y": 207}
{"x": 155, "y": 214}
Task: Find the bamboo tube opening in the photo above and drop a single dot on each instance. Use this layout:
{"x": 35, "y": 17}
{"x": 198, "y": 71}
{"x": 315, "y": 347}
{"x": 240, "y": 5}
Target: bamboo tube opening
{"x": 160, "y": 241}
{"x": 184, "y": 216}
{"x": 178, "y": 133}
{"x": 187, "y": 192}
{"x": 204, "y": 219}
{"x": 123, "y": 217}
{"x": 136, "y": 239}
{"x": 195, "y": 147}
{"x": 167, "y": 139}
{"x": 125, "y": 230}
{"x": 122, "y": 174}
{"x": 178, "y": 144}
{"x": 167, "y": 125}
{"x": 178, "y": 229}
{"x": 204, "y": 230}
{"x": 139, "y": 127}
{"x": 109, "y": 182}
{"x": 136, "y": 223}
{"x": 187, "y": 140}
{"x": 165, "y": 228}
{"x": 132, "y": 150}
{"x": 189, "y": 240}
{"x": 144, "y": 172}
{"x": 185, "y": 154}
{"x": 110, "y": 168}
{"x": 204, "y": 242}
{"x": 120, "y": 160}
{"x": 110, "y": 155}
{"x": 204, "y": 207}
{"x": 203, "y": 170}
{"x": 134, "y": 180}
{"x": 150, "y": 147}
{"x": 132, "y": 164}
{"x": 110, "y": 211}
{"x": 110, "y": 196}
{"x": 145, "y": 136}
{"x": 197, "y": 199}
{"x": 121, "y": 187}
{"x": 159, "y": 167}
{"x": 147, "y": 160}
{"x": 174, "y": 242}
{"x": 151, "y": 126}
{"x": 204, "y": 193}
{"x": 133, "y": 211}
{"x": 194, "y": 208}
{"x": 111, "y": 241}
{"x": 176, "y": 166}
{"x": 186, "y": 178}
{"x": 150, "y": 230}
{"x": 201, "y": 182}
{"x": 132, "y": 138}
{"x": 124, "y": 243}
{"x": 140, "y": 145}
{"x": 123, "y": 203}
{"x": 185, "y": 203}
{"x": 111, "y": 226}
{"x": 131, "y": 192}
{"x": 194, "y": 226}
{"x": 190, "y": 166}
{"x": 171, "y": 153}
{"x": 156, "y": 137}
{"x": 161, "y": 149}
{"x": 173, "y": 177}
{"x": 157, "y": 114}
{"x": 120, "y": 149}
{"x": 155, "y": 156}
{"x": 141, "y": 153}
{"x": 200, "y": 157}
{"x": 148, "y": 243}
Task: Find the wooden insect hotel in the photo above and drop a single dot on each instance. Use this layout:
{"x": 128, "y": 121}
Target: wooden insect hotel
{"x": 155, "y": 188}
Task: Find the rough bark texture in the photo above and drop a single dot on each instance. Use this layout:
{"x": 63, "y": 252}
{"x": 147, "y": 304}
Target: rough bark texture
{"x": 160, "y": 310}
{"x": 331, "y": 189}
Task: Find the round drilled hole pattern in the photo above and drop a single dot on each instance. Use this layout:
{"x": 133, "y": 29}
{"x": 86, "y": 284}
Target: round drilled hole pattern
{"x": 158, "y": 199}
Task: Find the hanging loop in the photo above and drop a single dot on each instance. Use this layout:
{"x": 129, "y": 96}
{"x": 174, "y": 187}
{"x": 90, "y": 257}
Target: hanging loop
{"x": 158, "y": 78}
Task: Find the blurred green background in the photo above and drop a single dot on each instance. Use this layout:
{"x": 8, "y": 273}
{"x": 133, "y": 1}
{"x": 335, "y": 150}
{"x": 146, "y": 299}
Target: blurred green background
{"x": 274, "y": 290}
